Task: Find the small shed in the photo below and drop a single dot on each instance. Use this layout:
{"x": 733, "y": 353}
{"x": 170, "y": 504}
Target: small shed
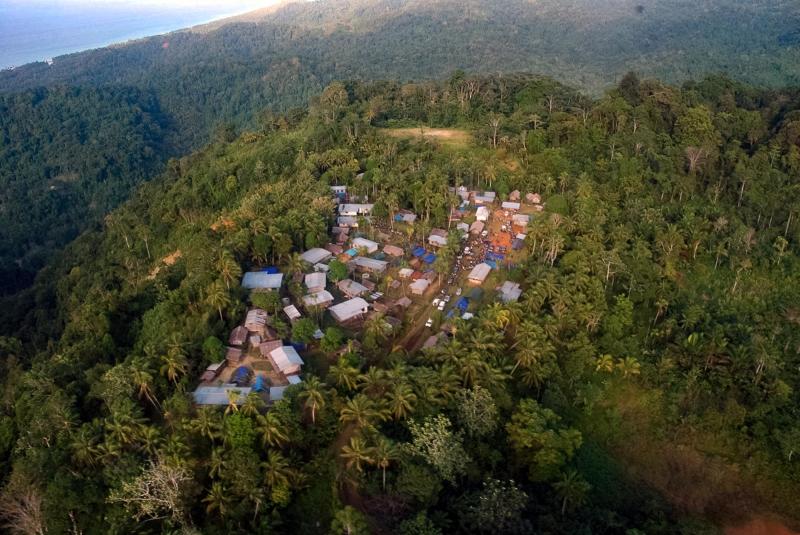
{"x": 268, "y": 347}
{"x": 351, "y": 288}
{"x": 363, "y": 243}
{"x": 419, "y": 286}
{"x": 510, "y": 292}
{"x": 533, "y": 198}
{"x": 404, "y": 302}
{"x": 238, "y": 336}
{"x": 315, "y": 282}
{"x": 349, "y": 310}
{"x": 437, "y": 241}
{"x": 393, "y": 250}
{"x": 482, "y": 214}
{"x": 508, "y": 205}
{"x": 316, "y": 255}
{"x": 514, "y": 196}
{"x": 233, "y": 356}
{"x": 477, "y": 227}
{"x": 405, "y": 273}
{"x": 292, "y": 313}
{"x": 334, "y": 249}
{"x": 370, "y": 265}
{"x": 318, "y": 299}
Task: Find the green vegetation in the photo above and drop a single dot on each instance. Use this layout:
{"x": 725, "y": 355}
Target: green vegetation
{"x": 646, "y": 380}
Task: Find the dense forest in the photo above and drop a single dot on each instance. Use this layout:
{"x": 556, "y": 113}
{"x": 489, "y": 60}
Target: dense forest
{"x": 646, "y": 381}
{"x": 68, "y": 156}
{"x": 185, "y": 86}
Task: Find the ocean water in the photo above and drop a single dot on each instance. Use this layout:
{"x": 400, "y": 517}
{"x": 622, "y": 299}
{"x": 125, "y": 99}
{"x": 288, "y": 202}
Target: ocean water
{"x": 35, "y": 30}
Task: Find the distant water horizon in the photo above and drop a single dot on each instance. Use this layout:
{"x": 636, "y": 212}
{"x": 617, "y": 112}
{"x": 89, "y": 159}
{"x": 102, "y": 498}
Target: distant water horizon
{"x": 37, "y": 30}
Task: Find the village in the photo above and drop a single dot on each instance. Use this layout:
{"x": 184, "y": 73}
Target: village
{"x": 370, "y": 268}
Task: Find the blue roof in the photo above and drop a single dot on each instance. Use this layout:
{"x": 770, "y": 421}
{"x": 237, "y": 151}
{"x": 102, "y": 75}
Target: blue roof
{"x": 491, "y": 263}
{"x": 429, "y": 258}
{"x": 270, "y": 270}
{"x": 418, "y": 251}
{"x": 462, "y": 303}
{"x": 259, "y": 385}
{"x": 351, "y": 252}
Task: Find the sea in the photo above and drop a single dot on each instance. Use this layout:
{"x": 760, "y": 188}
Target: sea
{"x": 39, "y": 30}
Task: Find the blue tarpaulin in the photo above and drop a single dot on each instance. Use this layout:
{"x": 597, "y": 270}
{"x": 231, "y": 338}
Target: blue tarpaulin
{"x": 271, "y": 270}
{"x": 351, "y": 252}
{"x": 379, "y": 256}
{"x": 429, "y": 258}
{"x": 259, "y": 385}
{"x": 491, "y": 263}
{"x": 495, "y": 256}
{"x": 398, "y": 217}
{"x": 418, "y": 251}
{"x": 241, "y": 376}
{"x": 462, "y": 304}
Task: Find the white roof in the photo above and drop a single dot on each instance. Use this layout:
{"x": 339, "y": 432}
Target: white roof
{"x": 315, "y": 280}
{"x": 261, "y": 280}
{"x": 316, "y": 255}
{"x": 353, "y": 209}
{"x": 511, "y": 205}
{"x": 292, "y": 312}
{"x": 352, "y": 287}
{"x": 521, "y": 219}
{"x": 437, "y": 240}
{"x": 349, "y": 309}
{"x": 419, "y": 285}
{"x": 510, "y": 291}
{"x": 480, "y": 272}
{"x": 370, "y": 263}
{"x": 369, "y": 245}
{"x": 476, "y": 226}
{"x": 521, "y": 236}
{"x": 463, "y": 227}
{"x": 347, "y": 221}
{"x": 286, "y": 357}
{"x": 218, "y": 395}
{"x": 321, "y": 267}
{"x": 406, "y": 273}
{"x": 276, "y": 392}
{"x": 294, "y": 379}
{"x": 482, "y": 213}
{"x": 318, "y": 298}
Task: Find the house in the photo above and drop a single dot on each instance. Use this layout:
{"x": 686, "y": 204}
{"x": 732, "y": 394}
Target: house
{"x": 349, "y": 310}
{"x": 286, "y": 360}
{"x": 256, "y": 320}
{"x": 463, "y": 228}
{"x": 261, "y": 280}
{"x": 482, "y": 213}
{"x": 438, "y": 237}
{"x": 276, "y": 393}
{"x": 233, "y": 356}
{"x": 520, "y": 220}
{"x": 351, "y": 288}
{"x": 294, "y": 380}
{"x": 218, "y": 395}
{"x": 354, "y": 210}
{"x": 315, "y": 282}
{"x": 334, "y": 249}
{"x": 369, "y": 265}
{"x": 368, "y": 284}
{"x": 393, "y": 250}
{"x": 339, "y": 190}
{"x": 477, "y": 227}
{"x": 347, "y": 221}
{"x": 363, "y": 243}
{"x": 268, "y": 347}
{"x": 508, "y": 205}
{"x": 403, "y": 302}
{"x": 292, "y": 313}
{"x": 318, "y": 299}
{"x": 488, "y": 197}
{"x": 316, "y": 255}
{"x": 419, "y": 286}
{"x": 405, "y": 273}
{"x": 212, "y": 371}
{"x": 405, "y": 216}
{"x": 533, "y": 198}
{"x": 238, "y": 336}
{"x": 514, "y": 196}
{"x": 321, "y": 268}
{"x": 479, "y": 273}
{"x": 510, "y": 292}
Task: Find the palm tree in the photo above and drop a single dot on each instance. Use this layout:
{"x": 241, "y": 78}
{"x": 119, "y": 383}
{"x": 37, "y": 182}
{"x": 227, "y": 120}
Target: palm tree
{"x": 383, "y": 454}
{"x": 314, "y": 399}
{"x": 629, "y": 366}
{"x": 142, "y": 379}
{"x": 228, "y": 268}
{"x": 294, "y": 264}
{"x": 360, "y": 411}
{"x": 277, "y": 472}
{"x": 233, "y": 401}
{"x": 252, "y": 404}
{"x": 217, "y": 499}
{"x": 572, "y": 490}
{"x": 174, "y": 364}
{"x": 271, "y": 430}
{"x": 401, "y": 401}
{"x": 150, "y": 440}
{"x": 217, "y": 297}
{"x": 373, "y": 382}
{"x": 206, "y": 424}
{"x": 356, "y": 454}
{"x": 604, "y": 363}
{"x": 217, "y": 462}
{"x": 344, "y": 376}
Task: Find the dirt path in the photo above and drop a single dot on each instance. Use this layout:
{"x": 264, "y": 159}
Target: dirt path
{"x": 446, "y": 136}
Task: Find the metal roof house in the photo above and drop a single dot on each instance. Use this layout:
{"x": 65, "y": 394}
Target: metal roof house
{"x": 291, "y": 312}
{"x": 316, "y": 255}
{"x": 349, "y": 310}
{"x": 351, "y": 288}
{"x": 315, "y": 282}
{"x": 437, "y": 239}
{"x": 354, "y": 210}
{"x": 393, "y": 250}
{"x": 218, "y": 395}
{"x": 363, "y": 243}
{"x": 238, "y": 336}
{"x": 318, "y": 299}
{"x": 476, "y": 227}
{"x": 508, "y": 205}
{"x": 370, "y": 264}
{"x": 479, "y": 273}
{"x": 482, "y": 214}
{"x": 260, "y": 280}
{"x": 286, "y": 360}
{"x": 510, "y": 292}
{"x": 419, "y": 286}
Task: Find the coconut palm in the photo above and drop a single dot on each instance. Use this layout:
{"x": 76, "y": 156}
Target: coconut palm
{"x": 312, "y": 394}
{"x": 252, "y": 404}
{"x": 373, "y": 382}
{"x": 217, "y": 499}
{"x": 228, "y": 268}
{"x": 277, "y": 472}
{"x": 361, "y": 412}
{"x": 383, "y": 453}
{"x": 174, "y": 364}
{"x": 356, "y": 454}
{"x": 271, "y": 430}
{"x": 217, "y": 297}
{"x": 401, "y": 401}
{"x": 572, "y": 489}
{"x": 344, "y": 376}
{"x": 233, "y": 401}
{"x": 206, "y": 424}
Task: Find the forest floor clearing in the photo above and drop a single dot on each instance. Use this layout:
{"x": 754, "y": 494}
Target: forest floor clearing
{"x": 449, "y": 137}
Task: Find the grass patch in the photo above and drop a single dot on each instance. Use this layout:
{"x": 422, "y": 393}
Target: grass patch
{"x": 447, "y": 137}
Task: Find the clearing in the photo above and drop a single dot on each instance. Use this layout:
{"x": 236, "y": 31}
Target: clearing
{"x": 449, "y": 137}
